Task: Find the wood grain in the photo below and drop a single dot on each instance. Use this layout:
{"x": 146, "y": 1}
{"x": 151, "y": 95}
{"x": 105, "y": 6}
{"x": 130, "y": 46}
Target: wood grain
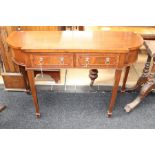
{"x": 83, "y": 40}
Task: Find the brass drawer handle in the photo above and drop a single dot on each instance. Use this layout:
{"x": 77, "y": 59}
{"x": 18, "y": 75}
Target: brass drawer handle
{"x": 41, "y": 60}
{"x": 62, "y": 60}
{"x": 41, "y": 68}
{"x": 87, "y": 61}
{"x": 107, "y": 60}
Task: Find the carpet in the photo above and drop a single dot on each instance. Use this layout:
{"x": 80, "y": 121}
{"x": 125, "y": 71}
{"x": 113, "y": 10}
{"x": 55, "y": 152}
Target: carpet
{"x": 70, "y": 110}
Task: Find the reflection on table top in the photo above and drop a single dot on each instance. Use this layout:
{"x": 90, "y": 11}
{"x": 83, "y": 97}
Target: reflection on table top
{"x": 83, "y": 40}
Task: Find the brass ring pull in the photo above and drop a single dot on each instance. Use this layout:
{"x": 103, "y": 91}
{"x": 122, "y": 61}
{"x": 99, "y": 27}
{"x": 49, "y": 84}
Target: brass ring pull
{"x": 62, "y": 60}
{"x": 107, "y": 60}
{"x": 41, "y": 60}
{"x": 41, "y": 68}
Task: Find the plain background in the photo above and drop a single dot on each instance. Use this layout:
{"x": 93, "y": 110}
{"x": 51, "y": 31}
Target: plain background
{"x": 87, "y": 13}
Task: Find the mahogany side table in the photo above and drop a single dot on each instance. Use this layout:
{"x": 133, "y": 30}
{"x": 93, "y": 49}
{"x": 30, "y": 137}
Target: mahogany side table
{"x": 47, "y": 50}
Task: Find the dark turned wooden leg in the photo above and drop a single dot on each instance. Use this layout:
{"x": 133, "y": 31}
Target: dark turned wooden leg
{"x": 114, "y": 92}
{"x": 143, "y": 78}
{"x": 25, "y": 77}
{"x": 2, "y": 107}
{"x": 93, "y": 74}
{"x": 33, "y": 91}
{"x": 145, "y": 90}
{"x": 127, "y": 69}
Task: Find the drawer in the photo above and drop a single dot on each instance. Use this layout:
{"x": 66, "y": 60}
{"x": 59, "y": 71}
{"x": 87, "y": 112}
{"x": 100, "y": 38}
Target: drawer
{"x": 96, "y": 60}
{"x": 53, "y": 60}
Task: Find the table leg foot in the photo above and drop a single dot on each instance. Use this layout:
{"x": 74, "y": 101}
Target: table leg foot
{"x": 109, "y": 114}
{"x": 38, "y": 115}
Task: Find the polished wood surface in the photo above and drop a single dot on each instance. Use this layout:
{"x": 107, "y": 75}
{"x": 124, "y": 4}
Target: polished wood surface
{"x": 46, "y": 50}
{"x": 80, "y": 40}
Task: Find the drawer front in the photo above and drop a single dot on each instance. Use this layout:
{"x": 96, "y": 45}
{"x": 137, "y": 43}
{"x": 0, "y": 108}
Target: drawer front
{"x": 96, "y": 60}
{"x": 53, "y": 60}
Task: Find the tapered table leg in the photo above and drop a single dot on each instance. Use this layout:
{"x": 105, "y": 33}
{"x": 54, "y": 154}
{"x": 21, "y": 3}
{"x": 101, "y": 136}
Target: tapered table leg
{"x": 93, "y": 74}
{"x": 33, "y": 91}
{"x": 114, "y": 91}
{"x": 127, "y": 69}
{"x": 25, "y": 77}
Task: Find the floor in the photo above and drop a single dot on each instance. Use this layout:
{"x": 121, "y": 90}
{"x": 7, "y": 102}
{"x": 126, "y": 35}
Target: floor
{"x": 86, "y": 110}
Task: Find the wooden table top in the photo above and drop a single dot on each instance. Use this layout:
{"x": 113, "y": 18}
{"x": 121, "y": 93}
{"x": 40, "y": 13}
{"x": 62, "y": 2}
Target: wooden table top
{"x": 85, "y": 40}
